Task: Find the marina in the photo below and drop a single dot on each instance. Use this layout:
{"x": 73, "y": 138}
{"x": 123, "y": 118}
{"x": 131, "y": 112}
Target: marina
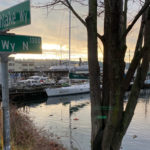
{"x": 48, "y": 89}
{"x": 36, "y": 85}
{"x": 77, "y": 78}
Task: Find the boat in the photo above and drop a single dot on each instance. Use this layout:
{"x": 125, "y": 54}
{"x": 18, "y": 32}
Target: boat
{"x": 69, "y": 90}
{"x": 79, "y": 76}
{"x": 147, "y": 81}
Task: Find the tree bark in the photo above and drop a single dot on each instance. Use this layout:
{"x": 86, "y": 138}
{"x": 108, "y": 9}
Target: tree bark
{"x": 113, "y": 70}
{"x": 108, "y": 134}
{"x": 94, "y": 68}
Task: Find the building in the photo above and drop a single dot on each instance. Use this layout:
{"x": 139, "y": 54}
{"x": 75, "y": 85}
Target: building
{"x": 29, "y": 65}
{"x": 17, "y": 65}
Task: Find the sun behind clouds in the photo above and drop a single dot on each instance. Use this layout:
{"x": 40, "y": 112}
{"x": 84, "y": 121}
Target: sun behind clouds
{"x": 53, "y": 47}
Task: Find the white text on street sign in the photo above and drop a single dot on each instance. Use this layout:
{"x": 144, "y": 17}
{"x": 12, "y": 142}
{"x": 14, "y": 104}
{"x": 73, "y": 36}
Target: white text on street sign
{"x": 20, "y": 44}
{"x": 18, "y": 15}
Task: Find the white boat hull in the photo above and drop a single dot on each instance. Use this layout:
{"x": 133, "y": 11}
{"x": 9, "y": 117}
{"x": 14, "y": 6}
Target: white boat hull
{"x": 70, "y": 90}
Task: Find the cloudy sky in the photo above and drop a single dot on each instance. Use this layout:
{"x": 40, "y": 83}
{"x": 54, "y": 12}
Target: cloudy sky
{"x": 52, "y": 26}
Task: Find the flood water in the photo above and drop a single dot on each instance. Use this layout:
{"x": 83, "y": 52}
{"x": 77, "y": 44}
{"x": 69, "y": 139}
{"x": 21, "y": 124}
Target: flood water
{"x": 69, "y": 119}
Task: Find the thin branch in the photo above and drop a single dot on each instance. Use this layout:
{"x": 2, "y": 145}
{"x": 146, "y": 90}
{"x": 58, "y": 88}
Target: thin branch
{"x": 101, "y": 37}
{"x": 140, "y": 77}
{"x": 48, "y": 4}
{"x": 83, "y": 2}
{"x": 100, "y": 12}
{"x": 75, "y": 13}
{"x": 68, "y": 5}
{"x": 137, "y": 57}
{"x": 139, "y": 81}
{"x": 136, "y": 18}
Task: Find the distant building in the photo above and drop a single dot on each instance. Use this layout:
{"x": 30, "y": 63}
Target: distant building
{"x": 45, "y": 65}
{"x": 14, "y": 66}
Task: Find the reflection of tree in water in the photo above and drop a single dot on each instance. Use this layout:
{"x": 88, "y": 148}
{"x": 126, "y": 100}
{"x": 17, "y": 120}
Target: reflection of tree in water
{"x": 145, "y": 94}
{"x": 25, "y": 104}
{"x": 146, "y": 103}
{"x": 73, "y": 109}
{"x": 144, "y": 97}
{"x": 70, "y": 128}
{"x": 77, "y": 107}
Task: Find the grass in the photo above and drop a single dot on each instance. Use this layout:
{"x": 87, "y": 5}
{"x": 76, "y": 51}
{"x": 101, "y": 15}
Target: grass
{"x": 25, "y": 136}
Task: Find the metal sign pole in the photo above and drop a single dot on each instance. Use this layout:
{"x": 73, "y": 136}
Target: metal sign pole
{"x": 5, "y": 102}
{"x": 19, "y": 16}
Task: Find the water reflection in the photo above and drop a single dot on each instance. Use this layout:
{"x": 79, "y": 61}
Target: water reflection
{"x": 66, "y": 99}
{"x": 69, "y": 118}
{"x": 23, "y": 103}
{"x": 75, "y": 103}
{"x": 140, "y": 125}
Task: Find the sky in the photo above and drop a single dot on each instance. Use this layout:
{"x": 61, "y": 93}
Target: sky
{"x": 53, "y": 27}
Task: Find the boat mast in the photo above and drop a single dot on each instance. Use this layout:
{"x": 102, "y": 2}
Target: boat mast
{"x": 69, "y": 37}
{"x": 71, "y": 147}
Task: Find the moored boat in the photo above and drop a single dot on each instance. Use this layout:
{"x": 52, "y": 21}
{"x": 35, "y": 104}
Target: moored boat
{"x": 69, "y": 90}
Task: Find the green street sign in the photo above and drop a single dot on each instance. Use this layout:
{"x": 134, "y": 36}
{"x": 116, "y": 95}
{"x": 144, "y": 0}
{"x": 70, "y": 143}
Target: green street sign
{"x": 18, "y": 15}
{"x": 20, "y": 44}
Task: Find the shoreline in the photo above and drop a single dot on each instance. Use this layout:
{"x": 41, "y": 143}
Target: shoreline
{"x": 26, "y": 136}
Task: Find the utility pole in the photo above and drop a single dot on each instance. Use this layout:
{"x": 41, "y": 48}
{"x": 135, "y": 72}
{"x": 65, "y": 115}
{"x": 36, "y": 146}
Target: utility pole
{"x": 69, "y": 36}
{"x": 69, "y": 42}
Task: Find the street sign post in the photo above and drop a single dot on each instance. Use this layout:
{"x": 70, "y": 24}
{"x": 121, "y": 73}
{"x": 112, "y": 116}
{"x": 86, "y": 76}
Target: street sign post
{"x": 5, "y": 103}
{"x": 18, "y": 15}
{"x": 20, "y": 44}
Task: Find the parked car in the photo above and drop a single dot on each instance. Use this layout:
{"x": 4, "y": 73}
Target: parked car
{"x": 29, "y": 82}
{"x": 39, "y": 79}
{"x": 32, "y": 82}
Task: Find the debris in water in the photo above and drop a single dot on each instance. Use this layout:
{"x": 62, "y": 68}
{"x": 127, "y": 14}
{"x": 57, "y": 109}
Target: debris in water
{"x": 134, "y": 136}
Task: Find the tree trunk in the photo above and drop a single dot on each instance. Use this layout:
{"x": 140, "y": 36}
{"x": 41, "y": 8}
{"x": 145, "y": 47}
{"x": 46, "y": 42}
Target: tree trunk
{"x": 113, "y": 68}
{"x": 141, "y": 75}
{"x": 107, "y": 134}
{"x": 94, "y": 68}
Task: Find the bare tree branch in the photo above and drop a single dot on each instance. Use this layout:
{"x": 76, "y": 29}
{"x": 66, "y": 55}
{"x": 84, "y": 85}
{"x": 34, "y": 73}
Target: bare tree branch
{"x": 75, "y": 13}
{"x": 129, "y": 112}
{"x": 137, "y": 57}
{"x": 81, "y": 20}
{"x": 69, "y": 6}
{"x": 140, "y": 77}
{"x": 48, "y": 4}
{"x": 136, "y": 18}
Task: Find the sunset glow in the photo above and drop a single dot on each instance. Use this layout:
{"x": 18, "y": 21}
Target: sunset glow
{"x": 50, "y": 47}
{"x": 35, "y": 56}
{"x": 53, "y": 28}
